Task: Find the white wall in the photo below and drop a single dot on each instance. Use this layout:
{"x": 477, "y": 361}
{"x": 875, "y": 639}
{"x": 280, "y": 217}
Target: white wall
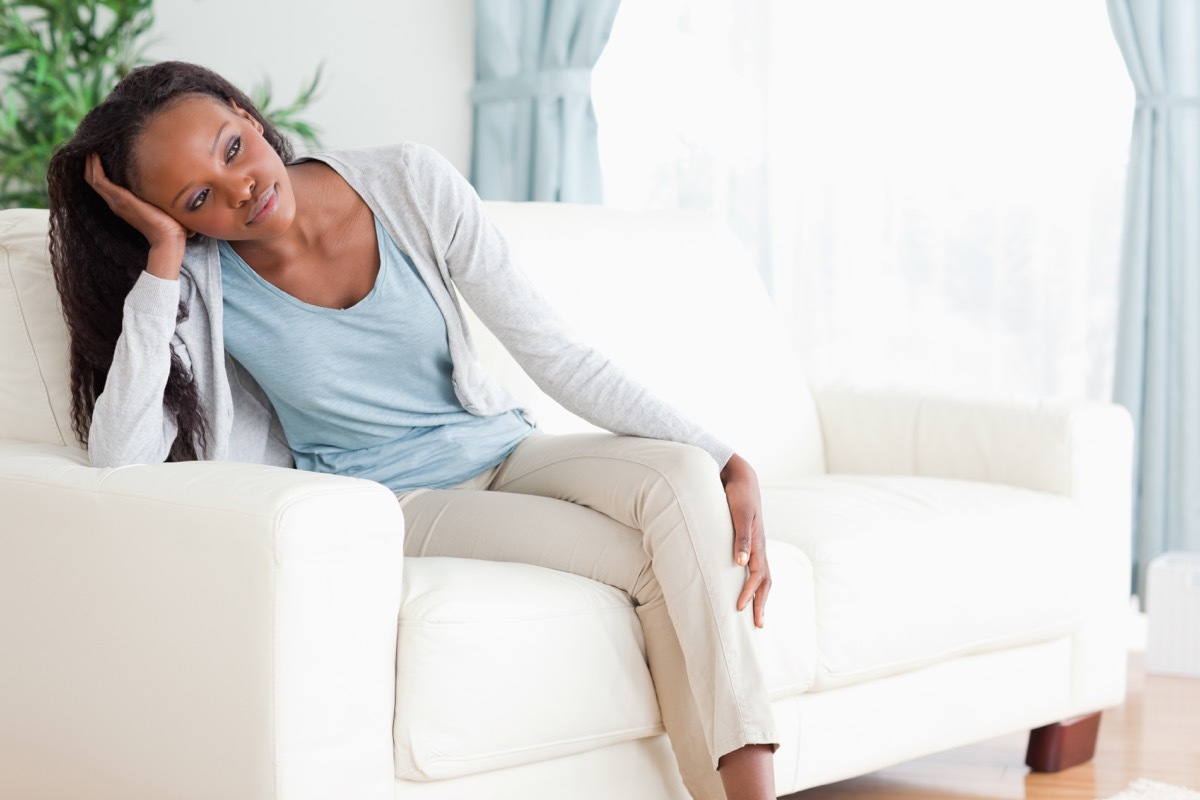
{"x": 394, "y": 69}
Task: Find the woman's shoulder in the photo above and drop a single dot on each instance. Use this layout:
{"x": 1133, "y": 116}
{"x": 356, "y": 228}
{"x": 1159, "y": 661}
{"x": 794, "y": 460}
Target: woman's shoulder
{"x": 407, "y": 155}
{"x": 399, "y": 177}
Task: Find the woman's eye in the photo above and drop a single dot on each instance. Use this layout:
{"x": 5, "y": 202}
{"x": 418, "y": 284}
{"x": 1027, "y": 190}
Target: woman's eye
{"x": 198, "y": 200}
{"x": 235, "y": 147}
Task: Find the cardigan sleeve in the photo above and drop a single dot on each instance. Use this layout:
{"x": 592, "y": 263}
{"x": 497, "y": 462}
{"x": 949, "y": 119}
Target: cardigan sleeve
{"x": 577, "y": 376}
{"x": 130, "y": 424}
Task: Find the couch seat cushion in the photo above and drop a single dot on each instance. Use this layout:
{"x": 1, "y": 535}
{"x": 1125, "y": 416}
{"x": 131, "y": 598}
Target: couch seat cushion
{"x": 502, "y": 664}
{"x": 912, "y": 570}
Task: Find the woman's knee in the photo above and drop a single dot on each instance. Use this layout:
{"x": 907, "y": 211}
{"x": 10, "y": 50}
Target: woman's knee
{"x": 682, "y": 462}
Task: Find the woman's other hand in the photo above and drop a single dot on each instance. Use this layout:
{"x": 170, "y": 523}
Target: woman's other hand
{"x": 166, "y": 236}
{"x": 749, "y": 537}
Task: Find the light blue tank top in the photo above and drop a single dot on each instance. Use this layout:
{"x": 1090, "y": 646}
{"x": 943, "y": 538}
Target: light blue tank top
{"x": 366, "y": 391}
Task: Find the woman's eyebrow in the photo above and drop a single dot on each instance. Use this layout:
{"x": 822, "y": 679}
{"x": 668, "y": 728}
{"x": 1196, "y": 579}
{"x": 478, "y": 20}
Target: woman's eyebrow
{"x": 212, "y": 151}
{"x": 217, "y": 138}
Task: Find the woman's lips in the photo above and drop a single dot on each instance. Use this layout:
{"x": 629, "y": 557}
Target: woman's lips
{"x": 265, "y": 207}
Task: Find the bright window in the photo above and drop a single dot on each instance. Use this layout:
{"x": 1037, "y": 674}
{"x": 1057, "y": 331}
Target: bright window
{"x": 933, "y": 188}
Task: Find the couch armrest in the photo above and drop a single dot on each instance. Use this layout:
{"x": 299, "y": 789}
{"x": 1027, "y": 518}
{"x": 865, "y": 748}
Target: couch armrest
{"x": 1080, "y": 450}
{"x": 194, "y": 630}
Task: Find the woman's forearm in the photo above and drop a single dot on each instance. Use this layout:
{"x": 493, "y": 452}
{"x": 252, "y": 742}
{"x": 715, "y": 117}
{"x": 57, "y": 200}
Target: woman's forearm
{"x": 130, "y": 424}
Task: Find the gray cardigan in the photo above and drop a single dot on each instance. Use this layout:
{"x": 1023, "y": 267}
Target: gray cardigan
{"x": 436, "y": 217}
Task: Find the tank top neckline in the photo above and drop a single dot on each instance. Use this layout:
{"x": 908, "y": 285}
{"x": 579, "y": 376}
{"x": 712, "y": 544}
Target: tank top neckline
{"x": 263, "y": 283}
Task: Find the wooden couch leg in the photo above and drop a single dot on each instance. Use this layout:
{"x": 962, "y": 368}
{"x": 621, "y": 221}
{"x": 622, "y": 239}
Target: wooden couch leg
{"x": 1053, "y": 748}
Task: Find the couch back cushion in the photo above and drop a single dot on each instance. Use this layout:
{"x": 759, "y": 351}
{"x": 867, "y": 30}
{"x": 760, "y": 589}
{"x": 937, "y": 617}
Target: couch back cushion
{"x": 670, "y": 296}
{"x": 35, "y": 391}
{"x": 673, "y": 298}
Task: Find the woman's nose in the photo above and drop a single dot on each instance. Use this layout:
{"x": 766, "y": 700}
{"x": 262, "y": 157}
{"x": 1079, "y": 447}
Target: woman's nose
{"x": 242, "y": 192}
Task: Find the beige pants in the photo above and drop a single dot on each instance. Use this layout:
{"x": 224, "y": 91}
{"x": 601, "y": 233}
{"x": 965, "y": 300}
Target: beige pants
{"x": 650, "y": 518}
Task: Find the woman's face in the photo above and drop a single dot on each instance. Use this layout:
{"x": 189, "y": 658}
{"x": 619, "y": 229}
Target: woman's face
{"x": 207, "y": 165}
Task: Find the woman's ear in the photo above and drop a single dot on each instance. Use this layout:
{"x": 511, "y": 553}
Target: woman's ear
{"x": 241, "y": 112}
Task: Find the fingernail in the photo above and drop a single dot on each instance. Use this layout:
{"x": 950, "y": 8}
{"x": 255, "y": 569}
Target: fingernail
{"x": 743, "y": 559}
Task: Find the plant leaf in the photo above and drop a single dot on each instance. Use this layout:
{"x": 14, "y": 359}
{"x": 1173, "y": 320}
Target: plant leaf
{"x": 58, "y": 58}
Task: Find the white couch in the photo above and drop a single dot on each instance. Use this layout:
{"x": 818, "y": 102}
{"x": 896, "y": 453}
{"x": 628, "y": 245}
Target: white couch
{"x": 946, "y": 570}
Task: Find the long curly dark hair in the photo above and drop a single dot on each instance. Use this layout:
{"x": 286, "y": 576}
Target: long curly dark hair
{"x": 97, "y": 257}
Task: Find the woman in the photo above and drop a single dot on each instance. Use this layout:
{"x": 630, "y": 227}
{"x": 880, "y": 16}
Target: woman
{"x": 228, "y": 302}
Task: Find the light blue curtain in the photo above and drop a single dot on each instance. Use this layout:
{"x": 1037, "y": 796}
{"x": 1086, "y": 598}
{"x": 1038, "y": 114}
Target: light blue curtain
{"x": 1158, "y": 347}
{"x": 535, "y": 128}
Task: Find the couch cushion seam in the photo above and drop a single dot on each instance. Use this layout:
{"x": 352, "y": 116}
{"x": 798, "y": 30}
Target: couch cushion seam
{"x": 29, "y": 339}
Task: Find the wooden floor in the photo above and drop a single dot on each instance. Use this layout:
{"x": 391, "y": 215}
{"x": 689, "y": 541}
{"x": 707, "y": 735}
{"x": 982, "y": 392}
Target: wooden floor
{"x": 1155, "y": 734}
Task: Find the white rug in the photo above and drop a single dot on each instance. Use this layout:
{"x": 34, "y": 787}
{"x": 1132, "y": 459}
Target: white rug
{"x": 1143, "y": 789}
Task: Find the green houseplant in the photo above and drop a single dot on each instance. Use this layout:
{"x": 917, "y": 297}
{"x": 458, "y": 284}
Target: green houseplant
{"x": 58, "y": 59}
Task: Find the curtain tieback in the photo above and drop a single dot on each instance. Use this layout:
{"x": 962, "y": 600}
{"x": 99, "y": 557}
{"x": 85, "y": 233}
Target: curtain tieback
{"x": 1160, "y": 102}
{"x": 545, "y": 85}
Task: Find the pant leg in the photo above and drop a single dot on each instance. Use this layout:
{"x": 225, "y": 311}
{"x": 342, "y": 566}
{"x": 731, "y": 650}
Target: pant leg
{"x": 499, "y": 526}
{"x": 672, "y": 493}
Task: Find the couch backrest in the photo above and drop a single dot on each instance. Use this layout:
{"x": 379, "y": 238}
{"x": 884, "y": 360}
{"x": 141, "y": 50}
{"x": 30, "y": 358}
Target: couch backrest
{"x": 670, "y": 296}
{"x": 35, "y": 391}
{"x": 674, "y": 299}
